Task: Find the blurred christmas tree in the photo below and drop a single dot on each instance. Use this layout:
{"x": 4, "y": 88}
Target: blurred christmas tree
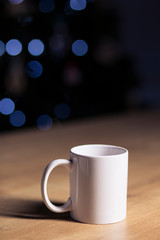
{"x": 60, "y": 60}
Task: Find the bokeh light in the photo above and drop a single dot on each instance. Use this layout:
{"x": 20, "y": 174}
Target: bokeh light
{"x": 46, "y": 6}
{"x": 44, "y": 122}
{"x": 17, "y": 119}
{"x": 79, "y": 47}
{"x": 62, "y": 111}
{"x": 78, "y": 4}
{"x": 13, "y": 47}
{"x": 36, "y": 47}
{"x": 34, "y": 69}
{"x": 6, "y": 106}
{"x": 16, "y": 2}
{"x": 2, "y": 48}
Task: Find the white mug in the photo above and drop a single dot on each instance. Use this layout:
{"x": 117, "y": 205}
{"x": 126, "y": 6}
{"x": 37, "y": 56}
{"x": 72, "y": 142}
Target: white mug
{"x": 98, "y": 183}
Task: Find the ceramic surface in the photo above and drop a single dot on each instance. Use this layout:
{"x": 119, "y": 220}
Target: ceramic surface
{"x": 98, "y": 184}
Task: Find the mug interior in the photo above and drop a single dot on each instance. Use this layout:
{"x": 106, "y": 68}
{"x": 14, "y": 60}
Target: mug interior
{"x": 95, "y": 150}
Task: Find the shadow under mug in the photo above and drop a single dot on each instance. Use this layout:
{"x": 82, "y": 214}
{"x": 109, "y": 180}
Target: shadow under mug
{"x": 98, "y": 183}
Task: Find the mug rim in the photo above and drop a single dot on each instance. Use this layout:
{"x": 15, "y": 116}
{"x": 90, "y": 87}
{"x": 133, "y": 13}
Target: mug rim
{"x": 75, "y": 150}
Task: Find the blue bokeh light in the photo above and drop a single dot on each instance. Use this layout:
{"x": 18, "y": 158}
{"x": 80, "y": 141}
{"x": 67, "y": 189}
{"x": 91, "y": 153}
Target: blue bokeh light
{"x": 2, "y": 48}
{"x": 79, "y": 47}
{"x": 16, "y": 2}
{"x": 34, "y": 69}
{"x": 13, "y": 47}
{"x": 17, "y": 119}
{"x": 46, "y": 6}
{"x": 36, "y": 47}
{"x": 62, "y": 111}
{"x": 7, "y": 106}
{"x": 78, "y": 4}
{"x": 44, "y": 122}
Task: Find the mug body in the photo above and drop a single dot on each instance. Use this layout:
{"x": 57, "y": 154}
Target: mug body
{"x": 98, "y": 183}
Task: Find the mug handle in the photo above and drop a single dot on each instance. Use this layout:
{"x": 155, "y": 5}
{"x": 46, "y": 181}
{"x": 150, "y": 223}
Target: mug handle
{"x": 67, "y": 205}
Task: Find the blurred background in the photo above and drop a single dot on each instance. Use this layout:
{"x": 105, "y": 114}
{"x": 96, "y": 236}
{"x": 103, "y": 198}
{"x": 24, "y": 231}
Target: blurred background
{"x": 64, "y": 60}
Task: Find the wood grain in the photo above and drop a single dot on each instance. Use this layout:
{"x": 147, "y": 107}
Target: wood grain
{"x": 24, "y": 155}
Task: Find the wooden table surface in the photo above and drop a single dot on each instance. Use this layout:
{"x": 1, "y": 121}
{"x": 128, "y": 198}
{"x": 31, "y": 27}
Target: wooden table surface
{"x": 24, "y": 155}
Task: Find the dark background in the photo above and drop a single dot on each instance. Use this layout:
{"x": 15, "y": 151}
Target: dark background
{"x": 119, "y": 72}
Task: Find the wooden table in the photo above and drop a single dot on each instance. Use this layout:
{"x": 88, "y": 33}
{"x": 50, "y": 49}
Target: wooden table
{"x": 24, "y": 155}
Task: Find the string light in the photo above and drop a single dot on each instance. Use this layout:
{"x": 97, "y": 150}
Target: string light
{"x": 13, "y": 47}
{"x": 34, "y": 69}
{"x": 36, "y": 47}
{"x": 44, "y": 122}
{"x": 79, "y": 47}
{"x": 17, "y": 119}
{"x": 6, "y": 106}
